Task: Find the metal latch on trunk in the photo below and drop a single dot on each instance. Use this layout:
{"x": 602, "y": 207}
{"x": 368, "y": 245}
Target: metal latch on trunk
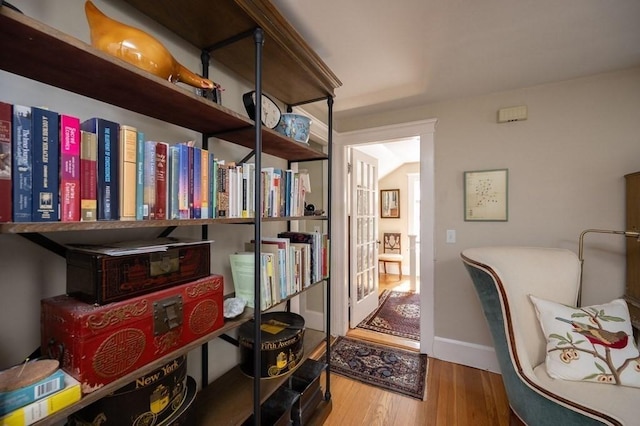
{"x": 167, "y": 314}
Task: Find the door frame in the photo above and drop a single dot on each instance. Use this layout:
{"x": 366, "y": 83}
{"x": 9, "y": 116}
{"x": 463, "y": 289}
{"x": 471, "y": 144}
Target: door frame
{"x": 425, "y": 130}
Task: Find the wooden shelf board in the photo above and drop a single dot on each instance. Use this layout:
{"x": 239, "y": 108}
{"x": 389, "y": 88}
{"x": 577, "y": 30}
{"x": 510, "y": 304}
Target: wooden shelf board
{"x": 292, "y": 71}
{"x": 47, "y": 227}
{"x": 70, "y": 64}
{"x": 113, "y": 386}
{"x": 229, "y": 399}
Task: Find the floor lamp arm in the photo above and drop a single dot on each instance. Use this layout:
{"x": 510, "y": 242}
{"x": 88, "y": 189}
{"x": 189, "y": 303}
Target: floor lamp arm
{"x": 630, "y": 234}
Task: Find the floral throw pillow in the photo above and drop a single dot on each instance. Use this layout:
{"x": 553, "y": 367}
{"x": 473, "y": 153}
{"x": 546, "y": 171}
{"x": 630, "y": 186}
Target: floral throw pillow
{"x": 591, "y": 343}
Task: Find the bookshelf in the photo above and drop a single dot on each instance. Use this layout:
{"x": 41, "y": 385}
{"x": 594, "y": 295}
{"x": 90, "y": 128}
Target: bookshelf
{"x": 293, "y": 73}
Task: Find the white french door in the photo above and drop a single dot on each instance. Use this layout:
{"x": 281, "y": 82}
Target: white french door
{"x": 363, "y": 245}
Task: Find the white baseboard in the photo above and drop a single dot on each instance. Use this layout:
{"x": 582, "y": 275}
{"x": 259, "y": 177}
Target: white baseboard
{"x": 469, "y": 354}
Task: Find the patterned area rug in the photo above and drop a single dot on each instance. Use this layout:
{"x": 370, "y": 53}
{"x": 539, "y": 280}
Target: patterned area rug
{"x": 393, "y": 369}
{"x": 398, "y": 314}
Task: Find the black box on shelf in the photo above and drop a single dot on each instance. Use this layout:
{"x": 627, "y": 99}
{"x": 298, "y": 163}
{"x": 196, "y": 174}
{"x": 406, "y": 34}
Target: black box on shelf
{"x": 94, "y": 275}
{"x": 306, "y": 381}
{"x": 276, "y": 410}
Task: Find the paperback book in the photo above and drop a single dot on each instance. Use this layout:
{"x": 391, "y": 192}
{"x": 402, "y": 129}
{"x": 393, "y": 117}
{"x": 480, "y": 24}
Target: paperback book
{"x": 46, "y": 160}
{"x": 22, "y": 155}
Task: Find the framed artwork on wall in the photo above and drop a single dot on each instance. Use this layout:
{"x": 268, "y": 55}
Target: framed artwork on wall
{"x": 390, "y": 203}
{"x": 486, "y": 195}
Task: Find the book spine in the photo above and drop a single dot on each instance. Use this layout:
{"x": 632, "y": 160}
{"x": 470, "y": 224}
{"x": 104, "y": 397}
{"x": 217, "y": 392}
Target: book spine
{"x": 231, "y": 191}
{"x": 204, "y": 185}
{"x": 191, "y": 182}
{"x": 38, "y": 410}
{"x": 162, "y": 149}
{"x": 140, "y": 176}
{"x": 108, "y": 159}
{"x": 128, "y": 139}
{"x": 46, "y": 160}
{"x": 174, "y": 182}
{"x": 149, "y": 197}
{"x": 197, "y": 183}
{"x": 223, "y": 196}
{"x": 212, "y": 185}
{"x": 183, "y": 183}
{"x": 245, "y": 190}
{"x": 22, "y": 164}
{"x": 88, "y": 176}
{"x": 6, "y": 118}
{"x": 69, "y": 168}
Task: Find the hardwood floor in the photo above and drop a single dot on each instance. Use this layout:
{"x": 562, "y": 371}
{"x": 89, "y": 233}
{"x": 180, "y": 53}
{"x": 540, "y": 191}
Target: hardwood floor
{"x": 456, "y": 394}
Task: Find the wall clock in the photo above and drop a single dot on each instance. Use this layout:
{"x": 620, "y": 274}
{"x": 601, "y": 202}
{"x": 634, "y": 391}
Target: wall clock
{"x": 270, "y": 113}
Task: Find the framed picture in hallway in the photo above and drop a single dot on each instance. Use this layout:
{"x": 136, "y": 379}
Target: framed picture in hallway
{"x": 485, "y": 195}
{"x": 390, "y": 203}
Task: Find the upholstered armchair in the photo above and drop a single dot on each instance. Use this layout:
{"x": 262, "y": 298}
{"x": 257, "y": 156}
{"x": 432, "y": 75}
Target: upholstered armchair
{"x": 504, "y": 277}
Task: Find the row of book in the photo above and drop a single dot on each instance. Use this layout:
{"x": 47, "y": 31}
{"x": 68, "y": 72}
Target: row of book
{"x": 29, "y": 404}
{"x": 289, "y": 263}
{"x": 53, "y": 167}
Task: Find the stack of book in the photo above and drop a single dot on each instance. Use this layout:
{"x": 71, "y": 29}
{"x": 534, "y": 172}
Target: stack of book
{"x": 289, "y": 264}
{"x": 33, "y": 391}
{"x": 57, "y": 167}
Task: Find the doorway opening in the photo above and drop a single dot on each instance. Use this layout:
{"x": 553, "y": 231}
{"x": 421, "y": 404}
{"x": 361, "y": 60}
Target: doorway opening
{"x": 424, "y": 131}
{"x": 382, "y": 258}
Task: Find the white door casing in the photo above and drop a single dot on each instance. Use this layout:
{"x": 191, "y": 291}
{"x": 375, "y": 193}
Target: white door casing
{"x": 363, "y": 247}
{"x": 425, "y": 130}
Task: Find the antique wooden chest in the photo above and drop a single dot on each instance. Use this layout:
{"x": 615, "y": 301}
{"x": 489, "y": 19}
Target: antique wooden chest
{"x": 96, "y": 277}
{"x": 98, "y": 344}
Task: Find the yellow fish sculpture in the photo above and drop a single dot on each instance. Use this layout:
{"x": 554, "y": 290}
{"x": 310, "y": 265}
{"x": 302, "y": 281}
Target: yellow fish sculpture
{"x": 138, "y": 48}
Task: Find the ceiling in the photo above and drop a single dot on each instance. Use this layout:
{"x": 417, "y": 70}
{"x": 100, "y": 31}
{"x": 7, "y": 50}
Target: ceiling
{"x": 406, "y": 53}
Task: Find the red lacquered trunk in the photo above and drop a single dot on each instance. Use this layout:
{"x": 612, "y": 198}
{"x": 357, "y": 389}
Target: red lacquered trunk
{"x": 99, "y": 344}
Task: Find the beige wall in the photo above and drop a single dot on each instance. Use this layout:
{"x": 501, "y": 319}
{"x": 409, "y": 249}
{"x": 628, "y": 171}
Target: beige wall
{"x": 566, "y": 166}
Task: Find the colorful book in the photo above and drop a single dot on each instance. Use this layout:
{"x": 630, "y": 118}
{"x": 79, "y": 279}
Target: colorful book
{"x": 149, "y": 193}
{"x": 286, "y": 264}
{"x": 12, "y": 400}
{"x": 140, "y": 176}
{"x": 183, "y": 183}
{"x": 191, "y": 181}
{"x": 303, "y": 264}
{"x": 222, "y": 193}
{"x": 128, "y": 172}
{"x": 88, "y": 176}
{"x": 213, "y": 174}
{"x": 22, "y": 166}
{"x": 197, "y": 183}
{"x": 108, "y": 166}
{"x": 174, "y": 175}
{"x": 46, "y": 161}
{"x": 42, "y": 408}
{"x": 314, "y": 239}
{"x": 162, "y": 151}
{"x": 204, "y": 185}
{"x": 6, "y": 118}
{"x": 70, "y": 140}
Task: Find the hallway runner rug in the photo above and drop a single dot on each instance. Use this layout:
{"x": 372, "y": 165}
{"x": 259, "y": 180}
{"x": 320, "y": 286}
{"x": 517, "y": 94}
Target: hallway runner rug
{"x": 397, "y": 314}
{"x": 389, "y": 368}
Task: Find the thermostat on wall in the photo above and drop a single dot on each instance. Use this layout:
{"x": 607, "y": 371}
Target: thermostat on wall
{"x": 516, "y": 113}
